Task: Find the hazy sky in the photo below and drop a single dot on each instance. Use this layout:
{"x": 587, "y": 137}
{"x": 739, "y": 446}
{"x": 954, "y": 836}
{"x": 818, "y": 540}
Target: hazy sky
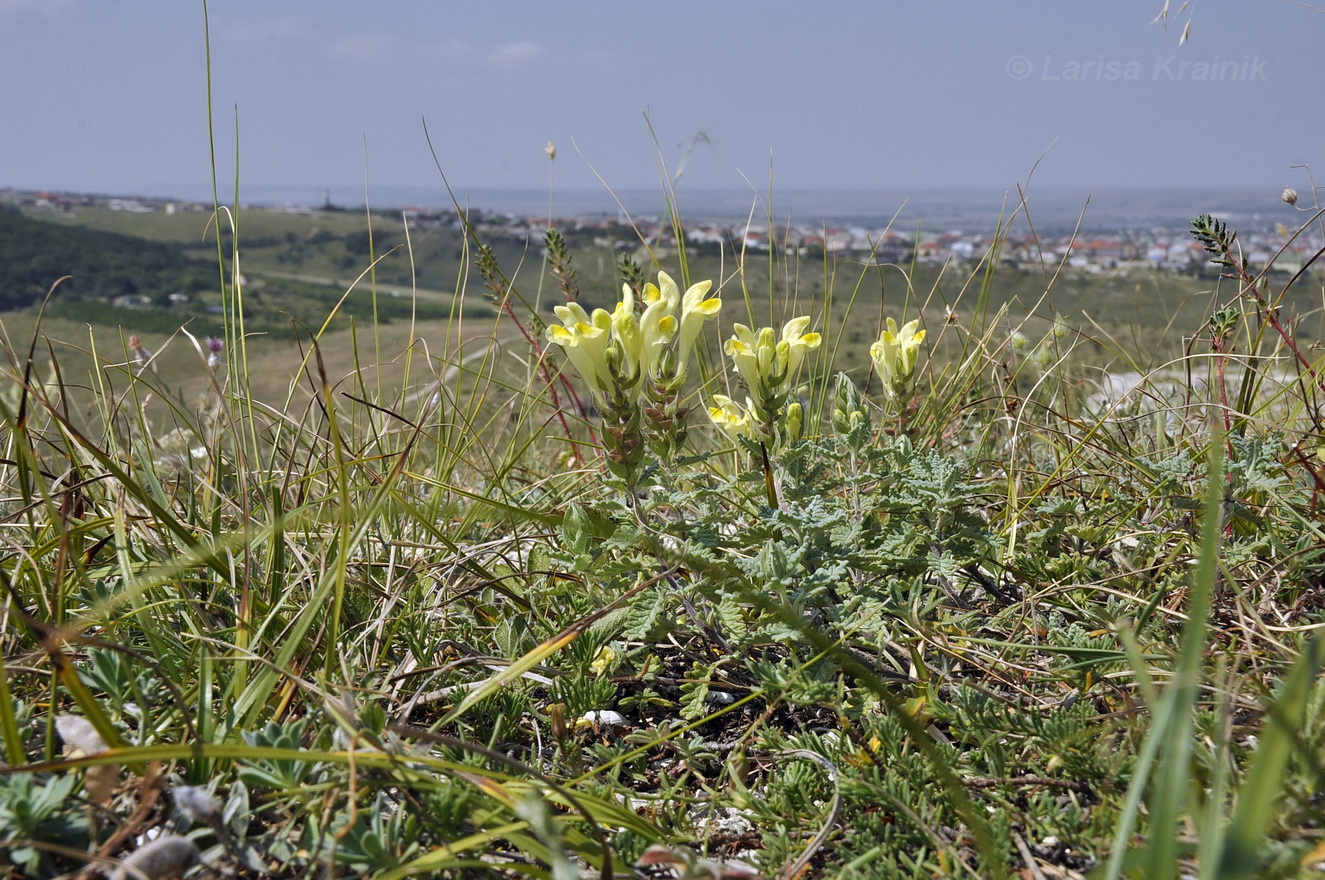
{"x": 111, "y": 95}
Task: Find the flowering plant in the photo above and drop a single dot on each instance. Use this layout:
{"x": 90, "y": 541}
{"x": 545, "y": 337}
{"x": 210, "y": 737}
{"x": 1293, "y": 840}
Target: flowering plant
{"x": 894, "y": 357}
{"x": 634, "y": 362}
{"x": 768, "y": 366}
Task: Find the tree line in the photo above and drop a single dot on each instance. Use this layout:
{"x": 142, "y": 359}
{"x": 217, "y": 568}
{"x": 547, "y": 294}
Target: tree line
{"x": 34, "y": 254}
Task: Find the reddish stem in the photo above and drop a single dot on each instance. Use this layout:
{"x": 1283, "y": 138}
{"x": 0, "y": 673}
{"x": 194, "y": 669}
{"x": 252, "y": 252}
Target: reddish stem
{"x": 545, "y": 370}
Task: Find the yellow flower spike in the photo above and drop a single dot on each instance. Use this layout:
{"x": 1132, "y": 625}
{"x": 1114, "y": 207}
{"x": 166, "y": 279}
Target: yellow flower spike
{"x": 695, "y": 310}
{"x": 886, "y": 355}
{"x": 895, "y": 355}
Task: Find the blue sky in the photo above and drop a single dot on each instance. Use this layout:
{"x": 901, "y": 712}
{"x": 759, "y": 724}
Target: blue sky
{"x": 110, "y": 95}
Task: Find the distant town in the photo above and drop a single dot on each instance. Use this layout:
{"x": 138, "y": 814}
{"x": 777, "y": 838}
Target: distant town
{"x": 1162, "y": 247}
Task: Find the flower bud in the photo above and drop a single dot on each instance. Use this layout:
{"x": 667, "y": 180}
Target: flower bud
{"x": 848, "y": 411}
{"x": 557, "y": 720}
{"x": 795, "y": 419}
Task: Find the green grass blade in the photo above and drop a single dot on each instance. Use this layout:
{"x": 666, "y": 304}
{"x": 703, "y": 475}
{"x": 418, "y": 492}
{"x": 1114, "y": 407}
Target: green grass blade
{"x": 13, "y": 743}
{"x": 1170, "y": 736}
{"x": 1263, "y": 790}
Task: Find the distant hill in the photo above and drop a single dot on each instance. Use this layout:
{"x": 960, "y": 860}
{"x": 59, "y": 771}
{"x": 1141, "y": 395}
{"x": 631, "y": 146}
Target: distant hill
{"x": 105, "y": 266}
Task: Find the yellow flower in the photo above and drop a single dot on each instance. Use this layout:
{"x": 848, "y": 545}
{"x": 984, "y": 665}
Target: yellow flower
{"x": 728, "y": 416}
{"x": 895, "y": 357}
{"x": 573, "y": 313}
{"x": 766, "y": 352}
{"x": 626, "y": 333}
{"x": 794, "y": 345}
{"x": 603, "y": 660}
{"x": 584, "y": 338}
{"x": 695, "y": 310}
{"x": 766, "y": 363}
{"x": 794, "y": 420}
{"x": 665, "y": 290}
{"x": 657, "y": 327}
{"x": 742, "y": 349}
{"x": 627, "y": 304}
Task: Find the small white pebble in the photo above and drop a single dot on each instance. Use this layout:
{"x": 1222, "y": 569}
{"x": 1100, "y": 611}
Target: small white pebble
{"x": 603, "y": 717}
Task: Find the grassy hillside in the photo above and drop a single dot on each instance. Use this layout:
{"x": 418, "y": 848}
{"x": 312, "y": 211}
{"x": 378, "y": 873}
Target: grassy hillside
{"x": 298, "y": 266}
{"x": 122, "y": 283}
{"x": 101, "y": 265}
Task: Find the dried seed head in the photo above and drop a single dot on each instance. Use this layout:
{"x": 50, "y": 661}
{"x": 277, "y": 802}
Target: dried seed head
{"x": 197, "y": 803}
{"x": 80, "y": 740}
{"x": 79, "y": 735}
{"x": 167, "y": 856}
{"x": 551, "y": 150}
{"x": 1290, "y": 195}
